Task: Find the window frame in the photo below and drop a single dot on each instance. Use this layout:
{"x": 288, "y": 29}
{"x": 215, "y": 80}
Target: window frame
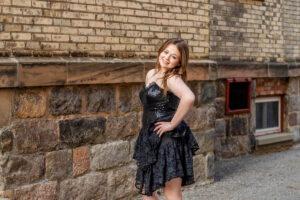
{"x": 277, "y": 129}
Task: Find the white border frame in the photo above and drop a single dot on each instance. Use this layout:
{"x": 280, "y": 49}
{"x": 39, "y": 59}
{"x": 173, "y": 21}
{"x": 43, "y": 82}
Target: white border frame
{"x": 274, "y": 129}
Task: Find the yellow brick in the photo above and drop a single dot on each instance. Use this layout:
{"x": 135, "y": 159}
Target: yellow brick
{"x": 67, "y": 46}
{"x": 51, "y": 29}
{"x": 141, "y": 41}
{"x": 60, "y": 38}
{"x": 86, "y": 46}
{"x": 21, "y": 36}
{"x": 5, "y": 2}
{"x": 32, "y": 45}
{"x": 95, "y": 39}
{"x": 49, "y": 45}
{"x": 21, "y": 3}
{"x": 131, "y": 47}
{"x": 119, "y": 3}
{"x": 181, "y": 16}
{"x": 69, "y": 30}
{"x": 96, "y": 24}
{"x": 127, "y": 26}
{"x": 60, "y": 6}
{"x": 104, "y": 47}
{"x": 147, "y": 34}
{"x": 103, "y": 32}
{"x": 90, "y": 16}
{"x": 42, "y": 21}
{"x": 127, "y": 40}
{"x": 147, "y": 6}
{"x": 12, "y": 27}
{"x": 23, "y": 20}
{"x": 111, "y": 25}
{"x": 62, "y": 22}
{"x": 112, "y": 10}
{"x": 133, "y": 34}
{"x": 41, "y": 37}
{"x": 67, "y": 14}
{"x": 175, "y": 22}
{"x": 136, "y": 20}
{"x": 155, "y": 14}
{"x": 126, "y": 11}
{"x": 86, "y": 31}
{"x": 119, "y": 47}
{"x": 112, "y": 40}
{"x": 119, "y": 18}
{"x": 41, "y": 4}
{"x": 103, "y": 2}
{"x": 77, "y": 38}
{"x": 52, "y": 13}
{"x": 15, "y": 45}
{"x": 141, "y": 13}
{"x": 4, "y": 36}
{"x": 12, "y": 10}
{"x": 142, "y": 27}
{"x": 94, "y": 8}
{"x": 32, "y": 11}
{"x": 118, "y": 33}
{"x": 198, "y": 49}
{"x": 87, "y": 1}
{"x": 135, "y": 5}
{"x": 78, "y": 7}
{"x": 80, "y": 23}
{"x": 147, "y": 48}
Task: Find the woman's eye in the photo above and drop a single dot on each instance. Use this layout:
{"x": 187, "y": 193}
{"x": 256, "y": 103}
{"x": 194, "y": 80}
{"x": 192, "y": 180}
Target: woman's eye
{"x": 174, "y": 57}
{"x": 166, "y": 52}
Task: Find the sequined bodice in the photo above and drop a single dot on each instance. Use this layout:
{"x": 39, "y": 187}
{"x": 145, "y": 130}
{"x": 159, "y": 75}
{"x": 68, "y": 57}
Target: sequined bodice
{"x": 155, "y": 105}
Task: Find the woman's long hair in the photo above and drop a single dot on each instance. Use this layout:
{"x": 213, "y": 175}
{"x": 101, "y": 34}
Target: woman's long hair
{"x": 179, "y": 70}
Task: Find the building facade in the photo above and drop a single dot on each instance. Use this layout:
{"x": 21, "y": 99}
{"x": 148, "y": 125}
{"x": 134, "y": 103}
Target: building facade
{"x": 71, "y": 72}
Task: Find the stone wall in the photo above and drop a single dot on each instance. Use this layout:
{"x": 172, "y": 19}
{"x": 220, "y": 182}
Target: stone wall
{"x": 101, "y": 28}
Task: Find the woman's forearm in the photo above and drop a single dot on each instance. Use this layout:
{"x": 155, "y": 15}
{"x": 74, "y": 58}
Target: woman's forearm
{"x": 183, "y": 108}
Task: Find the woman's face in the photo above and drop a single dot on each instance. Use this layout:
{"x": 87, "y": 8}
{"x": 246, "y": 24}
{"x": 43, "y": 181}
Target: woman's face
{"x": 169, "y": 57}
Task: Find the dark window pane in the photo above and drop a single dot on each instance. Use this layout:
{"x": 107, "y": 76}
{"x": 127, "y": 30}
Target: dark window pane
{"x": 272, "y": 117}
{"x": 259, "y": 117}
{"x": 267, "y": 114}
{"x": 238, "y": 95}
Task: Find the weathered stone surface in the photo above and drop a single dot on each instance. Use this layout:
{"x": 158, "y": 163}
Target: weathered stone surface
{"x": 122, "y": 126}
{"x": 124, "y": 101}
{"x": 205, "y": 140}
{"x": 65, "y": 101}
{"x": 200, "y": 118}
{"x": 253, "y": 88}
{"x": 105, "y": 72}
{"x": 6, "y": 194}
{"x": 131, "y": 145}
{"x": 5, "y": 106}
{"x": 239, "y": 126}
{"x": 219, "y": 104}
{"x": 43, "y": 74}
{"x": 228, "y": 129}
{"x": 210, "y": 165}
{"x": 208, "y": 93}
{"x": 35, "y": 135}
{"x": 199, "y": 167}
{"x": 121, "y": 183}
{"x": 75, "y": 132}
{"x": 29, "y": 103}
{"x": 293, "y": 119}
{"x": 136, "y": 102}
{"x": 218, "y": 148}
{"x": 45, "y": 191}
{"x": 109, "y": 155}
{"x": 293, "y": 86}
{"x": 198, "y": 71}
{"x": 278, "y": 70}
{"x": 58, "y": 164}
{"x": 22, "y": 169}
{"x": 8, "y": 76}
{"x": 298, "y": 118}
{"x": 101, "y": 99}
{"x": 296, "y": 133}
{"x": 233, "y": 146}
{"x": 221, "y": 88}
{"x": 220, "y": 127}
{"x": 89, "y": 186}
{"x": 294, "y": 69}
{"x": 81, "y": 160}
{"x": 229, "y": 69}
{"x": 294, "y": 104}
{"x": 195, "y": 87}
{"x": 6, "y": 138}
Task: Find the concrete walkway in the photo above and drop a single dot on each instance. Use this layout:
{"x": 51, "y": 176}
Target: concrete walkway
{"x": 273, "y": 176}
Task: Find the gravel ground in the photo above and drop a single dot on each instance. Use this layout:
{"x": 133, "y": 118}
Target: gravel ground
{"x": 273, "y": 176}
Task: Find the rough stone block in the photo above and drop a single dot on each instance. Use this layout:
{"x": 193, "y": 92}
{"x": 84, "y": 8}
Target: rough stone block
{"x": 205, "y": 140}
{"x": 132, "y": 143}
{"x": 101, "y": 99}
{"x": 221, "y": 88}
{"x": 210, "y": 165}
{"x": 298, "y": 118}
{"x": 22, "y": 169}
{"x": 6, "y": 139}
{"x": 121, "y": 183}
{"x": 219, "y": 104}
{"x": 296, "y": 132}
{"x": 36, "y": 135}
{"x": 5, "y": 106}
{"x": 294, "y": 104}
{"x": 278, "y": 70}
{"x": 75, "y": 132}
{"x": 201, "y": 118}
{"x": 239, "y": 126}
{"x": 235, "y": 146}
{"x": 199, "y": 167}
{"x": 8, "y": 76}
{"x": 124, "y": 101}
{"x": 45, "y": 190}
{"x": 293, "y": 86}
{"x": 29, "y": 103}
{"x": 195, "y": 87}
{"x": 109, "y": 155}
{"x": 293, "y": 119}
{"x": 136, "y": 102}
{"x": 89, "y": 186}
{"x": 208, "y": 93}
{"x": 81, "y": 160}
{"x": 220, "y": 127}
{"x": 65, "y": 101}
{"x": 122, "y": 126}
{"x": 58, "y": 164}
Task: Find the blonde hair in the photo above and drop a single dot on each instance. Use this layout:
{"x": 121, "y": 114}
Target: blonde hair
{"x": 179, "y": 70}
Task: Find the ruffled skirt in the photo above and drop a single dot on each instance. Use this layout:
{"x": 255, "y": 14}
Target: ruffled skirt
{"x": 171, "y": 158}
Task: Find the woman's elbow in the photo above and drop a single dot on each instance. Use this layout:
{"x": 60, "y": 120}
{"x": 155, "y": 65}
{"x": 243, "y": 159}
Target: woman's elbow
{"x": 190, "y": 99}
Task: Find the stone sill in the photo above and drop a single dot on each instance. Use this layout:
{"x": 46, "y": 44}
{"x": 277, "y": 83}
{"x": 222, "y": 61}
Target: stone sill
{"x": 273, "y": 138}
{"x": 27, "y": 72}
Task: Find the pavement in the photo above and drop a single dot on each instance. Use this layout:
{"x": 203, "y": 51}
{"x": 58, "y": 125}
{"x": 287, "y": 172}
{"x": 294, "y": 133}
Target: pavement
{"x": 272, "y": 176}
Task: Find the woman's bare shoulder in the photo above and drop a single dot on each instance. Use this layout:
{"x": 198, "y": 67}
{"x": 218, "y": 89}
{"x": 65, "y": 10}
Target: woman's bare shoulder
{"x": 149, "y": 74}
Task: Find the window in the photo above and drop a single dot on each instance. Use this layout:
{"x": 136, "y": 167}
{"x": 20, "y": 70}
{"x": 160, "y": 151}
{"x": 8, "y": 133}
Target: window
{"x": 268, "y": 115}
{"x": 238, "y": 95}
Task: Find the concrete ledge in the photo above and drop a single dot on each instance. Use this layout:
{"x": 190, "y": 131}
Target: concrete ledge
{"x": 273, "y": 138}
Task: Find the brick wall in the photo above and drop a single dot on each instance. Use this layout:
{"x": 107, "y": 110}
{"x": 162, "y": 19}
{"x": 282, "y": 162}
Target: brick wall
{"x": 101, "y": 28}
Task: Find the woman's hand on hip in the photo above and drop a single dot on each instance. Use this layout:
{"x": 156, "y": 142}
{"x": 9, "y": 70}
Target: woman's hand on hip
{"x": 162, "y": 127}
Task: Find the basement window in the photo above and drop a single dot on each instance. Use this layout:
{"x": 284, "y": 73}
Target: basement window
{"x": 268, "y": 115}
{"x": 238, "y": 95}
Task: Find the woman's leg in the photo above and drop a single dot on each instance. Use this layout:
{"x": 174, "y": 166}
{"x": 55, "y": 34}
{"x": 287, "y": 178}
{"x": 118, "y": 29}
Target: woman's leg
{"x": 172, "y": 189}
{"x": 153, "y": 197}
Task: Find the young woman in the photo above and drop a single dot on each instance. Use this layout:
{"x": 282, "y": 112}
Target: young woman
{"x": 166, "y": 145}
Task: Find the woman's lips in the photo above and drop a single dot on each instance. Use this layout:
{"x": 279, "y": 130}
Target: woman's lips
{"x": 165, "y": 62}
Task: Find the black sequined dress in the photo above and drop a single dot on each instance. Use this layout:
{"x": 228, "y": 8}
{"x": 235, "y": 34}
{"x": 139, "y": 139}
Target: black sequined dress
{"x": 171, "y": 156}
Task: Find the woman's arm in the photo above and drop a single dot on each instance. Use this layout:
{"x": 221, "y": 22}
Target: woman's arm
{"x": 187, "y": 98}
